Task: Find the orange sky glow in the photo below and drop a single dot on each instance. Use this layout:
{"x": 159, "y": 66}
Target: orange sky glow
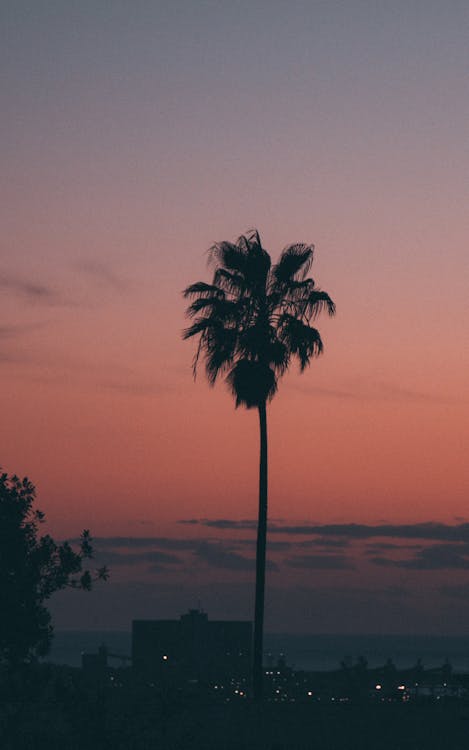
{"x": 128, "y": 155}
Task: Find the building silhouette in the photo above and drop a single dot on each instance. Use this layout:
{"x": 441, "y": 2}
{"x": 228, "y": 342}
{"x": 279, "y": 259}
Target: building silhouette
{"x": 192, "y": 648}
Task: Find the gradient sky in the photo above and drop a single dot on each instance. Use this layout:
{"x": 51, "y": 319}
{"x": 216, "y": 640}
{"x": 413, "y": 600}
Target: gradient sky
{"x": 135, "y": 134}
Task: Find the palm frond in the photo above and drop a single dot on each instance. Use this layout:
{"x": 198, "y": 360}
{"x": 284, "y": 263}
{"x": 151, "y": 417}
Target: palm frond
{"x": 220, "y": 349}
{"x": 228, "y": 255}
{"x": 201, "y": 304}
{"x": 293, "y": 260}
{"x": 200, "y": 326}
{"x": 251, "y": 237}
{"x": 317, "y": 303}
{"x": 229, "y": 281}
{"x": 278, "y": 356}
{"x": 290, "y": 294}
{"x": 220, "y": 309}
{"x": 303, "y": 341}
{"x": 202, "y": 290}
{"x": 258, "y": 260}
{"x": 259, "y": 344}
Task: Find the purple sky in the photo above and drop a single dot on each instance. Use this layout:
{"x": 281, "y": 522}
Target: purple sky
{"x": 134, "y": 135}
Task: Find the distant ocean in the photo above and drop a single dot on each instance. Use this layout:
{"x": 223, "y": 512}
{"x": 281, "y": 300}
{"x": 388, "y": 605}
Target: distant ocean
{"x": 310, "y": 652}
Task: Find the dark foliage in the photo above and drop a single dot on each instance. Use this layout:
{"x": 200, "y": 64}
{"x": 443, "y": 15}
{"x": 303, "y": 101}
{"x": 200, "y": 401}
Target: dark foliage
{"x": 254, "y": 319}
{"x": 32, "y": 568}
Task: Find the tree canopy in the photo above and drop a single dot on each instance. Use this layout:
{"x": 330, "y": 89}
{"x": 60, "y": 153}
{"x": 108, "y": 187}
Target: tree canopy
{"x": 32, "y": 568}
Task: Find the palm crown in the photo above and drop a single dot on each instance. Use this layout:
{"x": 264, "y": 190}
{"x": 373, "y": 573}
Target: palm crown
{"x": 254, "y": 319}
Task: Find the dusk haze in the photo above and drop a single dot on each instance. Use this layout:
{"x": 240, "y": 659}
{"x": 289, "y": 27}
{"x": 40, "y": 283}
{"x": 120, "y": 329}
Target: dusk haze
{"x": 135, "y": 137}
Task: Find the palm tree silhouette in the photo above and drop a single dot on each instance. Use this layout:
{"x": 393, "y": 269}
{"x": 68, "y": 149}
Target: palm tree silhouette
{"x": 252, "y": 321}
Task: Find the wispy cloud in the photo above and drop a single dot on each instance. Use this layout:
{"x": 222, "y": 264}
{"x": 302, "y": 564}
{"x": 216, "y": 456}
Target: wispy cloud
{"x": 431, "y": 530}
{"x": 13, "y": 350}
{"x": 440, "y": 547}
{"x": 376, "y": 391}
{"x": 10, "y": 331}
{"x": 327, "y": 543}
{"x": 141, "y": 542}
{"x": 437, "y": 557}
{"x": 425, "y": 530}
{"x": 40, "y": 293}
{"x": 130, "y": 557}
{"x": 380, "y": 547}
{"x": 101, "y": 272}
{"x": 320, "y": 562}
{"x": 220, "y": 523}
{"x": 393, "y": 392}
{"x": 32, "y": 291}
{"x": 217, "y": 555}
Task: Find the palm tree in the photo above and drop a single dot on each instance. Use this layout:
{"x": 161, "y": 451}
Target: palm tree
{"x": 252, "y": 321}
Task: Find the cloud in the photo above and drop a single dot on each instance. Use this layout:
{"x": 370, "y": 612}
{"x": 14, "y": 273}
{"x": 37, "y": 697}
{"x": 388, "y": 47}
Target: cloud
{"x": 436, "y": 557}
{"x": 220, "y": 523}
{"x": 141, "y": 542}
{"x": 32, "y": 291}
{"x": 318, "y": 542}
{"x": 217, "y": 555}
{"x": 424, "y": 530}
{"x": 450, "y": 551}
{"x": 155, "y": 557}
{"x": 102, "y": 273}
{"x": 391, "y": 392}
{"x": 429, "y": 530}
{"x": 379, "y": 547}
{"x": 11, "y": 331}
{"x": 375, "y": 391}
{"x": 272, "y": 544}
{"x": 118, "y": 550}
{"x": 320, "y": 562}
{"x": 319, "y": 553}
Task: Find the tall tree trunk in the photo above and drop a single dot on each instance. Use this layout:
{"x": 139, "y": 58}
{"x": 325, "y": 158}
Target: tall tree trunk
{"x": 258, "y": 673}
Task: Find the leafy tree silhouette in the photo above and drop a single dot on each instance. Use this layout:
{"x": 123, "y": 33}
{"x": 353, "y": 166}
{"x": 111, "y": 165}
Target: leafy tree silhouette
{"x": 32, "y": 568}
{"x": 252, "y": 321}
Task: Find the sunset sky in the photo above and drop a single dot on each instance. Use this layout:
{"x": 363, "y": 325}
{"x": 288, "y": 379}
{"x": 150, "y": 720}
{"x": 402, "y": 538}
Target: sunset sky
{"x": 135, "y": 134}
